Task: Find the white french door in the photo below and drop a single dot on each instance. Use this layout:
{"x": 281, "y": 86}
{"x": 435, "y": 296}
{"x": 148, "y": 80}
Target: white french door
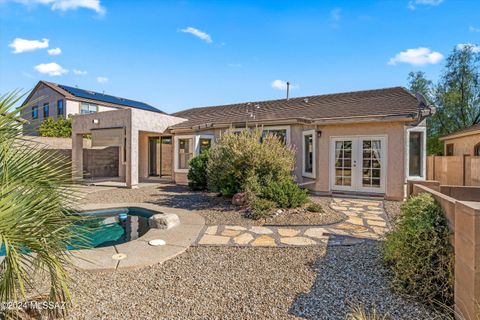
{"x": 358, "y": 163}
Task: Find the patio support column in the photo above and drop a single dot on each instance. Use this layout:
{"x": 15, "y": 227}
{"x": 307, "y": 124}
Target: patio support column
{"x": 77, "y": 156}
{"x": 132, "y": 158}
{"x": 121, "y": 164}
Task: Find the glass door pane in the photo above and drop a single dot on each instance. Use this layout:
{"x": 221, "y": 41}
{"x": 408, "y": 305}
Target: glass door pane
{"x": 153, "y": 156}
{"x": 343, "y": 163}
{"x": 371, "y": 163}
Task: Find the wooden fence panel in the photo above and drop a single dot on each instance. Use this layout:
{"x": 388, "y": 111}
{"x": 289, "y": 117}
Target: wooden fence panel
{"x": 454, "y": 170}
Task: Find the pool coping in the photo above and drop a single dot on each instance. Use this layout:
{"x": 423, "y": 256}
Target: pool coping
{"x": 138, "y": 253}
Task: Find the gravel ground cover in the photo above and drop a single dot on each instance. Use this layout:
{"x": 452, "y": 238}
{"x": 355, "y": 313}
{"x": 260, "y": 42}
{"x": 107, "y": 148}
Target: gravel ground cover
{"x": 354, "y": 275}
{"x": 246, "y": 283}
{"x": 202, "y": 283}
{"x": 392, "y": 210}
{"x": 216, "y": 210}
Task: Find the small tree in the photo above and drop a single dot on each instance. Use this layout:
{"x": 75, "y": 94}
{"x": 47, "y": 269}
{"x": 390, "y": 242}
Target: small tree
{"x": 62, "y": 128}
{"x": 197, "y": 171}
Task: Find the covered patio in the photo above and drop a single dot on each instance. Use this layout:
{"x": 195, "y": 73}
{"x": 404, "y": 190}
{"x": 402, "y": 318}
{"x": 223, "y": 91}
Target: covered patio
{"x": 139, "y": 136}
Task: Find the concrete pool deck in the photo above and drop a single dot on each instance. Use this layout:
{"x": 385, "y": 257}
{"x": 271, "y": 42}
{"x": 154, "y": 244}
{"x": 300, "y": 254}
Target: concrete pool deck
{"x": 138, "y": 253}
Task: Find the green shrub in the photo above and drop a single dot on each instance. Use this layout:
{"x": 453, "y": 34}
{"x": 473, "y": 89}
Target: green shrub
{"x": 314, "y": 207}
{"x": 197, "y": 171}
{"x": 286, "y": 194}
{"x": 240, "y": 162}
{"x": 62, "y": 128}
{"x": 419, "y": 254}
{"x": 261, "y": 208}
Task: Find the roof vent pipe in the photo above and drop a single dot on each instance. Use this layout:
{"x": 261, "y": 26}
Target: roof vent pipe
{"x": 288, "y": 89}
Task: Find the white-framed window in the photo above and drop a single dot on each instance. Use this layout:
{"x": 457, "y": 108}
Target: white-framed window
{"x": 203, "y": 142}
{"x": 86, "y": 108}
{"x": 416, "y": 141}
{"x": 184, "y": 149}
{"x": 309, "y": 150}
{"x": 283, "y": 132}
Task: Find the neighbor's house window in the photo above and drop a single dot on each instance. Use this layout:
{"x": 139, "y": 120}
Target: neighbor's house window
{"x": 450, "y": 149}
{"x": 283, "y": 133}
{"x": 46, "y": 110}
{"x": 308, "y": 154}
{"x": 416, "y": 152}
{"x": 35, "y": 112}
{"x": 476, "y": 150}
{"x": 86, "y": 108}
{"x": 185, "y": 152}
{"x": 60, "y": 107}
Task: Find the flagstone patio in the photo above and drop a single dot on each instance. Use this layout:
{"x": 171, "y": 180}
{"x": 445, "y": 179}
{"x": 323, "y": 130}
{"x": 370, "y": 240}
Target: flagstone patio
{"x": 366, "y": 219}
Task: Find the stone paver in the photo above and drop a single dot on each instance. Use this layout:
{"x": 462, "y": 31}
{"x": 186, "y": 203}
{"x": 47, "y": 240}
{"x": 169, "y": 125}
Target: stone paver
{"x": 264, "y": 241}
{"x": 365, "y": 220}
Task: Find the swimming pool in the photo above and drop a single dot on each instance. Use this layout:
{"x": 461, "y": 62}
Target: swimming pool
{"x": 109, "y": 227}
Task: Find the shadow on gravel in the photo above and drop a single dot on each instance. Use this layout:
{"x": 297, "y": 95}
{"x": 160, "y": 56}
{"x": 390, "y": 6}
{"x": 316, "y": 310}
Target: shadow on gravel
{"x": 176, "y": 196}
{"x": 354, "y": 275}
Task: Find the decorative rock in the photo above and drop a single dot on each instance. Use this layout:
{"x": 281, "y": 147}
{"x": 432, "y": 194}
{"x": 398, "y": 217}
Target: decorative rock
{"x": 211, "y": 230}
{"x": 243, "y": 239}
{"x": 287, "y": 232}
{"x": 230, "y": 233}
{"x": 239, "y": 199}
{"x": 209, "y": 239}
{"x": 260, "y": 230}
{"x": 355, "y": 220}
{"x": 238, "y": 228}
{"x": 264, "y": 241}
{"x": 377, "y": 223}
{"x": 163, "y": 221}
{"x": 315, "y": 232}
{"x": 297, "y": 241}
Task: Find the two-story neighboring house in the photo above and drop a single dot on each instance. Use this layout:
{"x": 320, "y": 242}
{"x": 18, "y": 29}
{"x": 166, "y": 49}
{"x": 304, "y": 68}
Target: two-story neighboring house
{"x": 49, "y": 99}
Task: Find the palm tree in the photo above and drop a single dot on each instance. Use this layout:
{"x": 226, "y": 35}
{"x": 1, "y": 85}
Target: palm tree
{"x": 36, "y": 200}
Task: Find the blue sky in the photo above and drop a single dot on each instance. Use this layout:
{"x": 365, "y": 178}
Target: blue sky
{"x": 179, "y": 54}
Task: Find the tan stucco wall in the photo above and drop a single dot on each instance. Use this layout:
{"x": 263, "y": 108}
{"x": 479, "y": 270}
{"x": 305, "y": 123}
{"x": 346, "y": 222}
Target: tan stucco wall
{"x": 395, "y": 132}
{"x": 462, "y": 145}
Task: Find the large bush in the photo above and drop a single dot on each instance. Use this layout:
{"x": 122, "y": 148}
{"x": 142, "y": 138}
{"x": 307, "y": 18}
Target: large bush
{"x": 419, "y": 253}
{"x": 197, "y": 171}
{"x": 241, "y": 162}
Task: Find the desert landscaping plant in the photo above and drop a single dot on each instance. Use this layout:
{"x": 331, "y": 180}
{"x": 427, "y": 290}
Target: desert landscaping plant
{"x": 358, "y": 312}
{"x": 243, "y": 161}
{"x": 197, "y": 171}
{"x": 36, "y": 197}
{"x": 285, "y": 193}
{"x": 62, "y": 128}
{"x": 419, "y": 254}
{"x": 261, "y": 208}
{"x": 314, "y": 207}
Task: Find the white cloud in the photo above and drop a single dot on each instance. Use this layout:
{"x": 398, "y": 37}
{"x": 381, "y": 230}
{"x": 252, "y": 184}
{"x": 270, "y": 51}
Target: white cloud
{"x": 473, "y": 29}
{"x": 199, "y": 34}
{"x": 65, "y": 5}
{"x": 412, "y": 4}
{"x": 20, "y": 45}
{"x": 475, "y": 48}
{"x": 54, "y": 51}
{"x": 80, "y": 72}
{"x": 282, "y": 85}
{"x": 52, "y": 69}
{"x": 418, "y": 56}
{"x": 102, "y": 79}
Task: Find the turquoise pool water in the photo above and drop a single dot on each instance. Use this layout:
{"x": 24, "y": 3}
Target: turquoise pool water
{"x": 111, "y": 227}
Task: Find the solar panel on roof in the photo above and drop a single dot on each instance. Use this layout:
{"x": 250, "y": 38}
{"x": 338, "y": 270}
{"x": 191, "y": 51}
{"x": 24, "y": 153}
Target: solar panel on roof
{"x": 108, "y": 98}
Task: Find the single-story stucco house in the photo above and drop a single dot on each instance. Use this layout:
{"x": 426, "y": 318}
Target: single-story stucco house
{"x": 463, "y": 142}
{"x": 365, "y": 142}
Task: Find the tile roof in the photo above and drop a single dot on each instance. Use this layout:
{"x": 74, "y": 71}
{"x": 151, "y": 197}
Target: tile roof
{"x": 396, "y": 101}
{"x": 105, "y": 99}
